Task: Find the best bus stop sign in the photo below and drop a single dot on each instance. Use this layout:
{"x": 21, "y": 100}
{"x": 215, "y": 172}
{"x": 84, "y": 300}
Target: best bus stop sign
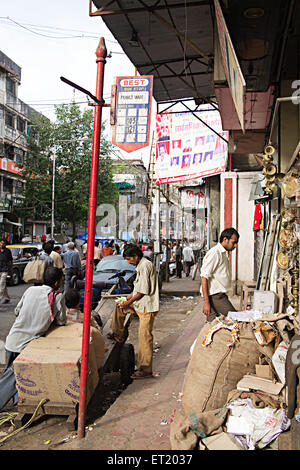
{"x": 131, "y": 122}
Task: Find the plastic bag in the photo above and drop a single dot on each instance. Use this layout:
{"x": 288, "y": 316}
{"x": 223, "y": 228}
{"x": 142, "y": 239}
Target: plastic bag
{"x": 278, "y": 360}
{"x": 254, "y": 428}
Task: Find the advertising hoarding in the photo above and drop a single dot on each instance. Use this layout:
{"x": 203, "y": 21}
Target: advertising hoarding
{"x": 186, "y": 148}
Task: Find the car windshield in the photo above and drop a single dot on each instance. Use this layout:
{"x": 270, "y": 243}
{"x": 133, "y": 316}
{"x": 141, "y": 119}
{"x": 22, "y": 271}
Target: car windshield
{"x": 114, "y": 263}
{"x": 14, "y": 251}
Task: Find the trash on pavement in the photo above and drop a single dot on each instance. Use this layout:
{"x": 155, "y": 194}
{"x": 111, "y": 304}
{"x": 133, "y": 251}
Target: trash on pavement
{"x": 240, "y": 387}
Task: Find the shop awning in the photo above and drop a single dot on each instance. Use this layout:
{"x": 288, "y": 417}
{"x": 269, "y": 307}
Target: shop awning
{"x": 12, "y": 223}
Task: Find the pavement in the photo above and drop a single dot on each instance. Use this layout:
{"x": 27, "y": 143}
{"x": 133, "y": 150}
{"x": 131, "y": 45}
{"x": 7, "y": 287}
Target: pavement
{"x": 140, "y": 417}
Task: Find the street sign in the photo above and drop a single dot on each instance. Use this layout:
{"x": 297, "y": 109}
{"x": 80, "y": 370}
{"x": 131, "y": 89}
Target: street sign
{"x": 133, "y": 112}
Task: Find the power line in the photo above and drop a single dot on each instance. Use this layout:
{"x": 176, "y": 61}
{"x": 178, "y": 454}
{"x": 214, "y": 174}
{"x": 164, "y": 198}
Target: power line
{"x": 91, "y": 35}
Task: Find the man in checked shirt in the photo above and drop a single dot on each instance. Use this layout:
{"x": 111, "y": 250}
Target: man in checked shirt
{"x": 216, "y": 276}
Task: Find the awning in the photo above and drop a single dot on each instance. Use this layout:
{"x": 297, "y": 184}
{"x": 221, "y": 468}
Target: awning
{"x": 125, "y": 185}
{"x": 12, "y": 223}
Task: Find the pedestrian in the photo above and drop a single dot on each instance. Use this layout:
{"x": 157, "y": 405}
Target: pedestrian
{"x": 188, "y": 259}
{"x": 107, "y": 250}
{"x": 6, "y": 268}
{"x": 72, "y": 265}
{"x": 216, "y": 275}
{"x": 48, "y": 248}
{"x": 38, "y": 308}
{"x": 178, "y": 258}
{"x": 144, "y": 301}
{"x": 97, "y": 253}
{"x": 56, "y": 256}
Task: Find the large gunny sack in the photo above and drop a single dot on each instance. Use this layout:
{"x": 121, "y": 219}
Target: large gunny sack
{"x": 214, "y": 370}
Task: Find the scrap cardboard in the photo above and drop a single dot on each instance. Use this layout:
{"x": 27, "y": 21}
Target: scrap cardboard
{"x": 49, "y": 367}
{"x": 251, "y": 382}
{"x": 222, "y": 441}
{"x": 264, "y": 371}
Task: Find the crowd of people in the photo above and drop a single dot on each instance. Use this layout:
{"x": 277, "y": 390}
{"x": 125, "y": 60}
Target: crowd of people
{"x": 42, "y": 305}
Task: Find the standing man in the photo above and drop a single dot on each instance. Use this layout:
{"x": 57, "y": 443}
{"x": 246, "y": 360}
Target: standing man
{"x": 72, "y": 265}
{"x": 56, "y": 256}
{"x": 178, "y": 258}
{"x": 6, "y": 267}
{"x": 144, "y": 301}
{"x": 97, "y": 253}
{"x": 188, "y": 259}
{"x": 107, "y": 250}
{"x": 216, "y": 275}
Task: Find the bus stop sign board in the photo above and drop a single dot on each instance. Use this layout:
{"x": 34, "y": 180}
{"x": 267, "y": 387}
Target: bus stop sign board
{"x": 133, "y": 112}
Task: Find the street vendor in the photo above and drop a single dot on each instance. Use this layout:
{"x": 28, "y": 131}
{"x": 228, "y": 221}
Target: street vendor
{"x": 144, "y": 301}
{"x": 216, "y": 276}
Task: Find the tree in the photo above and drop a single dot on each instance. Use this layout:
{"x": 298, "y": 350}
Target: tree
{"x": 69, "y": 138}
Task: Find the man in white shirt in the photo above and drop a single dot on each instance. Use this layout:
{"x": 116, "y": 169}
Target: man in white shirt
{"x": 188, "y": 259}
{"x": 216, "y": 275}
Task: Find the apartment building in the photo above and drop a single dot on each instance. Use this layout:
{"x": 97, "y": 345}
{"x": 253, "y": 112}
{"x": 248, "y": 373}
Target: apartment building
{"x": 14, "y": 143}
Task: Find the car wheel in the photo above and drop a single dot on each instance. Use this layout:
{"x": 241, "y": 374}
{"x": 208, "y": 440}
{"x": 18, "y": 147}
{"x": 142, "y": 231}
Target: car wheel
{"x": 16, "y": 278}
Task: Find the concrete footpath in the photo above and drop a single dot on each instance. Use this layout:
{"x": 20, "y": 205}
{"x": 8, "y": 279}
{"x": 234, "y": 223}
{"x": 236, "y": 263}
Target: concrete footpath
{"x": 140, "y": 417}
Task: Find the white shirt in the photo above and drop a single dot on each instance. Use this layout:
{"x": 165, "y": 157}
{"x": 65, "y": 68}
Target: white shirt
{"x": 216, "y": 269}
{"x": 188, "y": 254}
{"x": 33, "y": 317}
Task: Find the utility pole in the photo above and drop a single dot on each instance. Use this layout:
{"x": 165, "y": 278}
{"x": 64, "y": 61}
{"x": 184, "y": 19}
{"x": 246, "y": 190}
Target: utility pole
{"x": 101, "y": 54}
{"x": 53, "y": 193}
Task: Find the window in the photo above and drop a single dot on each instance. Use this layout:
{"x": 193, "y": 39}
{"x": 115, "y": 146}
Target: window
{"x": 20, "y": 124}
{"x": 9, "y": 151}
{"x": 7, "y": 185}
{"x": 19, "y": 153}
{"x": 18, "y": 187}
{"x": 9, "y": 119}
{"x": 10, "y": 86}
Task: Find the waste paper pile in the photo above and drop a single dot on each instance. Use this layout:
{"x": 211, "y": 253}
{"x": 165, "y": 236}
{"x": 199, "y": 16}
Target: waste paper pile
{"x": 240, "y": 387}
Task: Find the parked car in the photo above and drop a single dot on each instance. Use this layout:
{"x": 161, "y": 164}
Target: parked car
{"x": 21, "y": 254}
{"x": 111, "y": 270}
{"x": 109, "y": 266}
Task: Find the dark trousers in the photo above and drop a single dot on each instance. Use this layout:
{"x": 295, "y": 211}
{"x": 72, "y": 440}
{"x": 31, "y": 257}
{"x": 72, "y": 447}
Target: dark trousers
{"x": 219, "y": 305}
{"x": 178, "y": 266}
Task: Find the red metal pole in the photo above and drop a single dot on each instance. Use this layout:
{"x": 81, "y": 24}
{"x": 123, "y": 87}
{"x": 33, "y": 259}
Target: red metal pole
{"x": 101, "y": 54}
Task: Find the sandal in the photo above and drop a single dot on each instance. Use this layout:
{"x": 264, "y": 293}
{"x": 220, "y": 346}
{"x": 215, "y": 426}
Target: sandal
{"x": 114, "y": 337}
{"x": 141, "y": 375}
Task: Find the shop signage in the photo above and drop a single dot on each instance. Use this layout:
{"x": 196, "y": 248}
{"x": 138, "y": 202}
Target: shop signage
{"x": 8, "y": 165}
{"x": 187, "y": 149}
{"x": 192, "y": 198}
{"x": 132, "y": 116}
{"x": 231, "y": 66}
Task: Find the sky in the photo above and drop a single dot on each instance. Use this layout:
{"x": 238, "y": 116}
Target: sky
{"x": 54, "y": 38}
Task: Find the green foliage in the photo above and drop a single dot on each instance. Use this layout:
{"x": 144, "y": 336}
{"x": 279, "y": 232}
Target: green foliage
{"x": 72, "y": 167}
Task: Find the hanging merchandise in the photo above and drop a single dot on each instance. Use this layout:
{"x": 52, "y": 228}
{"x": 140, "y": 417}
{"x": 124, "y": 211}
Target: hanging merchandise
{"x": 257, "y": 217}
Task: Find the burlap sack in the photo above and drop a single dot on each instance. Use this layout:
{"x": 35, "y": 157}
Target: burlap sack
{"x": 215, "y": 370}
{"x": 185, "y": 430}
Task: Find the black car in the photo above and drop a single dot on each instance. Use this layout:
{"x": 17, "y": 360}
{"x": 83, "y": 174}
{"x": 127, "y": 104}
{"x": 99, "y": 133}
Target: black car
{"x": 21, "y": 254}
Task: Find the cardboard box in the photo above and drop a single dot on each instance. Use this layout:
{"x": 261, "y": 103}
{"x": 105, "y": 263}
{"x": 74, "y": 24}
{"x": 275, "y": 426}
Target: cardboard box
{"x": 49, "y": 367}
{"x": 264, "y": 371}
{"x": 222, "y": 441}
{"x": 264, "y": 301}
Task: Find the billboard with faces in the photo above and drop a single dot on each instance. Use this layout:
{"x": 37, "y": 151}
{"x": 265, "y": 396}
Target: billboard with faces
{"x": 188, "y": 149}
